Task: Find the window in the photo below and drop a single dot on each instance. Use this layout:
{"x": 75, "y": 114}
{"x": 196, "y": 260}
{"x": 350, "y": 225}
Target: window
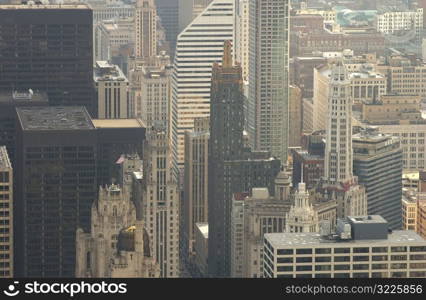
{"x": 379, "y": 249}
{"x": 286, "y": 260}
{"x": 285, "y": 251}
{"x": 303, "y": 268}
{"x": 418, "y": 248}
{"x": 304, "y": 251}
{"x": 341, "y": 267}
{"x": 322, "y": 251}
{"x": 361, "y": 250}
{"x": 285, "y": 269}
{"x": 342, "y": 250}
{"x": 399, "y": 249}
{"x": 303, "y": 259}
{"x": 342, "y": 258}
{"x": 322, "y": 259}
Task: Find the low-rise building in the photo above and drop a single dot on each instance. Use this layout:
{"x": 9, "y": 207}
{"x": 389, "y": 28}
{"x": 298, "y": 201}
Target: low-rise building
{"x": 361, "y": 248}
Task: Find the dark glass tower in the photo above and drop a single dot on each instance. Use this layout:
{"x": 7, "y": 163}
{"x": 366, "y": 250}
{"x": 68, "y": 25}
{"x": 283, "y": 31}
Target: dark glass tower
{"x": 232, "y": 167}
{"x": 62, "y": 157}
{"x": 48, "y": 48}
{"x": 55, "y": 186}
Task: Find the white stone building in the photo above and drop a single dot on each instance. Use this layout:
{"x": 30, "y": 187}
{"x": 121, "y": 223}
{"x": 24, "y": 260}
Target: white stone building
{"x": 118, "y": 244}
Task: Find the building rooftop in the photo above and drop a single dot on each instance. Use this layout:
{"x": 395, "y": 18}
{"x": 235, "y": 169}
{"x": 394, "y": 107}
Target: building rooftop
{"x": 54, "y": 118}
{"x": 289, "y": 240}
{"x": 4, "y": 158}
{"x": 118, "y": 123}
{"x": 105, "y": 71}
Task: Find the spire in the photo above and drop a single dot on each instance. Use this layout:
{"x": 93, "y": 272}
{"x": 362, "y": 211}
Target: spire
{"x": 227, "y": 55}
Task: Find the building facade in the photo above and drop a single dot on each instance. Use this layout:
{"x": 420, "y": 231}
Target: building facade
{"x": 113, "y": 92}
{"x": 339, "y": 181}
{"x": 54, "y": 55}
{"x": 232, "y": 167}
{"x": 268, "y": 75}
{"x": 199, "y": 45}
{"x": 145, "y": 28}
{"x": 195, "y": 207}
{"x": 366, "y": 250}
{"x": 242, "y": 12}
{"x": 56, "y": 183}
{"x": 377, "y": 163}
{"x": 160, "y": 204}
{"x": 154, "y": 104}
{"x": 6, "y": 216}
{"x": 117, "y": 245}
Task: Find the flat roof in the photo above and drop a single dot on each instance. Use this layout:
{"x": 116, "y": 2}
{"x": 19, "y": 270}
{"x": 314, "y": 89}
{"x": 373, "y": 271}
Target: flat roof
{"x": 54, "y": 118}
{"x": 4, "y": 158}
{"x": 118, "y": 123}
{"x": 290, "y": 240}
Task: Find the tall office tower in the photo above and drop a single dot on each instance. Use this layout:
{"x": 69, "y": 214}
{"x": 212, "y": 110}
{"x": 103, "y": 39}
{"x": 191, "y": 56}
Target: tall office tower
{"x": 378, "y": 165}
{"x": 168, "y": 11}
{"x": 112, "y": 90}
{"x": 195, "y": 205}
{"x": 338, "y": 176}
{"x": 54, "y": 53}
{"x": 154, "y": 103}
{"x": 268, "y": 74}
{"x": 199, "y": 45}
{"x": 354, "y": 252}
{"x": 56, "y": 185}
{"x": 118, "y": 245}
{"x": 6, "y": 215}
{"x": 302, "y": 216}
{"x": 242, "y": 35}
{"x": 160, "y": 201}
{"x": 9, "y": 100}
{"x": 145, "y": 28}
{"x": 295, "y": 116}
{"x": 232, "y": 167}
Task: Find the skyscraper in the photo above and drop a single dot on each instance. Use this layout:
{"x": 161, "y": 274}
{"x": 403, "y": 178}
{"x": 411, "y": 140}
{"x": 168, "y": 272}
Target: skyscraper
{"x": 145, "y": 29}
{"x": 378, "y": 165}
{"x": 339, "y": 181}
{"x": 195, "y": 206}
{"x": 56, "y": 185}
{"x": 48, "y": 48}
{"x": 160, "y": 201}
{"x": 268, "y": 74}
{"x": 199, "y": 45}
{"x": 232, "y": 167}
